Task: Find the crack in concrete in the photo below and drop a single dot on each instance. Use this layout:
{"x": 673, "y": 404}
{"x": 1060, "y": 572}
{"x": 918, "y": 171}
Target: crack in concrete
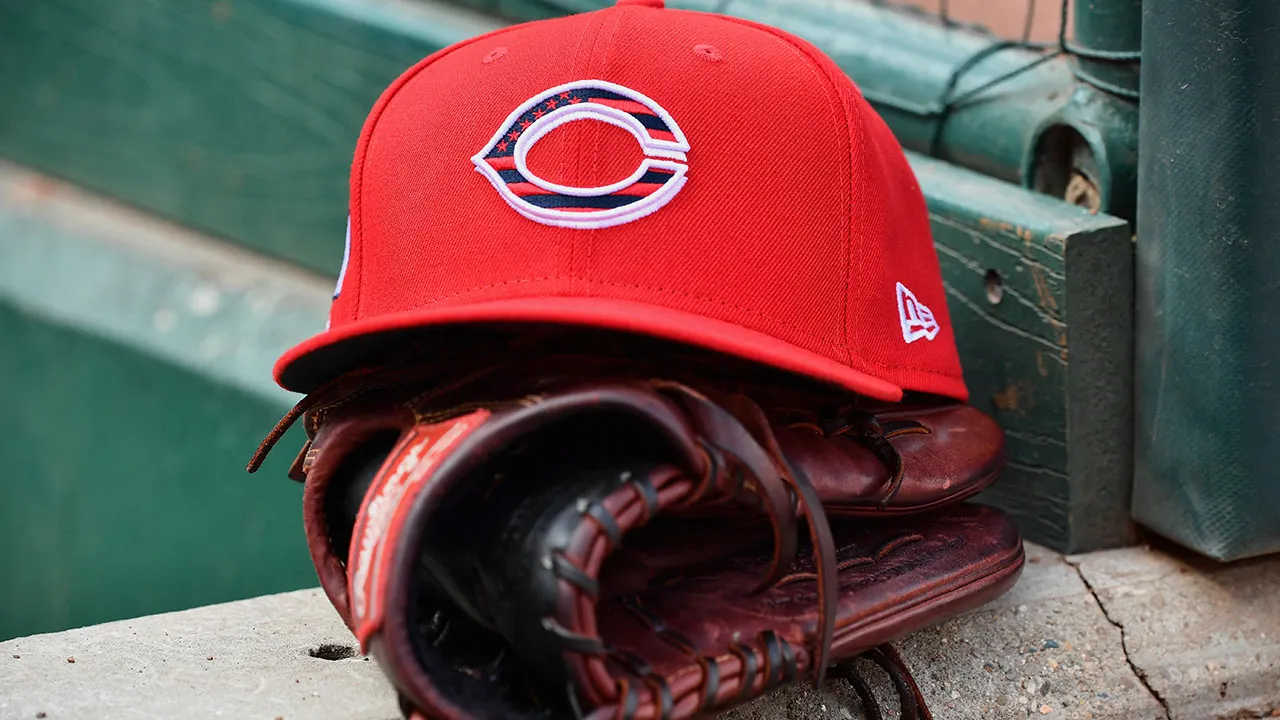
{"x": 1138, "y": 672}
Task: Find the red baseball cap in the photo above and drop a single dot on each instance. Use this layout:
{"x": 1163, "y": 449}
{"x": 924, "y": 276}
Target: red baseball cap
{"x": 684, "y": 175}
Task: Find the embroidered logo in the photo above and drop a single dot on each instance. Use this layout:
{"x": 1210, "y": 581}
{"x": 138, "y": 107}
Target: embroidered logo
{"x": 658, "y": 178}
{"x": 917, "y": 319}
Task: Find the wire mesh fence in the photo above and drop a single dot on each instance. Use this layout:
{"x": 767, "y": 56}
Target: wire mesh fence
{"x": 1047, "y": 27}
{"x": 1029, "y": 21}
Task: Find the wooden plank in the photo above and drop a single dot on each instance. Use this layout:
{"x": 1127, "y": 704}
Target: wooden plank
{"x": 1041, "y": 294}
{"x": 135, "y": 377}
{"x": 124, "y": 490}
{"x": 75, "y": 259}
{"x": 236, "y": 117}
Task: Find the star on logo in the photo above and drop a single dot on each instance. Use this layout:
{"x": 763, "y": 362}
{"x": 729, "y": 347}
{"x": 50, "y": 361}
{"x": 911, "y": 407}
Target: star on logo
{"x": 538, "y": 113}
{"x": 513, "y": 134}
{"x": 502, "y": 146}
{"x": 524, "y": 124}
{"x": 575, "y": 101}
{"x": 564, "y": 95}
{"x": 552, "y": 104}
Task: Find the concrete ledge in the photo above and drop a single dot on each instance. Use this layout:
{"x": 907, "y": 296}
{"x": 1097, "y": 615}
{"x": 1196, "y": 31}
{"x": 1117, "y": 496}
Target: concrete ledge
{"x": 1131, "y": 634}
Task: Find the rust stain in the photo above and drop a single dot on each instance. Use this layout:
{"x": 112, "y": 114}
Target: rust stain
{"x": 1044, "y": 371}
{"x": 1026, "y": 236}
{"x": 995, "y": 224}
{"x": 1042, "y": 289}
{"x": 39, "y": 188}
{"x": 1006, "y": 399}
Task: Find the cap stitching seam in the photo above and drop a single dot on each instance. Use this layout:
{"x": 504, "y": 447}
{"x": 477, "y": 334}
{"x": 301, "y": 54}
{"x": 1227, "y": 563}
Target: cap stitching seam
{"x": 842, "y": 350}
{"x": 590, "y": 235}
{"x": 578, "y": 56}
{"x": 576, "y": 239}
{"x": 824, "y": 344}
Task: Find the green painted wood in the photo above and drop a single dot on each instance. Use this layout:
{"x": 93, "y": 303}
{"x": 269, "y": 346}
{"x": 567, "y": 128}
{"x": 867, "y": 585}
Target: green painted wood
{"x": 124, "y": 491}
{"x": 236, "y": 117}
{"x": 86, "y": 263}
{"x": 1041, "y": 294}
{"x": 135, "y": 379}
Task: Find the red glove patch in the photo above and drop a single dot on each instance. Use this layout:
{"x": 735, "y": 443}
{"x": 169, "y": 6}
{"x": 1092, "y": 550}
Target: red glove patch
{"x": 403, "y": 476}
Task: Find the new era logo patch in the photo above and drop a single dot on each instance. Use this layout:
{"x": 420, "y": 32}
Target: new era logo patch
{"x": 917, "y": 319}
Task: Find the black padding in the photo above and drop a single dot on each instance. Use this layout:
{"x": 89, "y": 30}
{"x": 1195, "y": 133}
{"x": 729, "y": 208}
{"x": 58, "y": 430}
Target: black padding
{"x": 346, "y": 490}
{"x": 496, "y": 544}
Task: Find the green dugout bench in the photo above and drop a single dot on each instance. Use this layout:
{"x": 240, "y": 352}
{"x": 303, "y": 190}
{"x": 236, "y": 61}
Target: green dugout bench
{"x": 172, "y": 205}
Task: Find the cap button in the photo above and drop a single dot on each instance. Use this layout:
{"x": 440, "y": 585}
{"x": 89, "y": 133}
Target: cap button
{"x": 643, "y": 3}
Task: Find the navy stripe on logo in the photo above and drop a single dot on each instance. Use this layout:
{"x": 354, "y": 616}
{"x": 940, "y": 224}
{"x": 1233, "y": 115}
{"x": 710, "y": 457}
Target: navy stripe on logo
{"x": 590, "y": 93}
{"x": 600, "y": 202}
{"x": 652, "y": 122}
{"x": 655, "y": 176}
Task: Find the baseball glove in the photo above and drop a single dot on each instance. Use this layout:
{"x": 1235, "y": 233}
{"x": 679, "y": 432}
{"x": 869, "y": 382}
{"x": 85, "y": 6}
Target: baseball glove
{"x": 525, "y": 544}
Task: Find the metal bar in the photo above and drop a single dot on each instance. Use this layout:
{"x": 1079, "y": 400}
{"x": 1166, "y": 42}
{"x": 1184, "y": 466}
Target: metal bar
{"x": 1108, "y": 45}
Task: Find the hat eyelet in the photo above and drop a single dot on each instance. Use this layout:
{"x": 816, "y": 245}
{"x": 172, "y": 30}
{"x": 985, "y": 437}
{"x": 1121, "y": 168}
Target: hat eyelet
{"x": 707, "y": 52}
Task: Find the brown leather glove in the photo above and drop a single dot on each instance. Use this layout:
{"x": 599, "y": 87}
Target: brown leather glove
{"x": 621, "y": 546}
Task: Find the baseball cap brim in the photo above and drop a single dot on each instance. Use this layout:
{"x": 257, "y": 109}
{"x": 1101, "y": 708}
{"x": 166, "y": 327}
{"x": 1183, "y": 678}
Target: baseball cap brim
{"x": 324, "y": 356}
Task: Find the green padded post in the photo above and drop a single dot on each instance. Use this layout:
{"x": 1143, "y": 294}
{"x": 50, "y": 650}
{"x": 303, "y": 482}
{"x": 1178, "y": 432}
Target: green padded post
{"x": 1208, "y": 397}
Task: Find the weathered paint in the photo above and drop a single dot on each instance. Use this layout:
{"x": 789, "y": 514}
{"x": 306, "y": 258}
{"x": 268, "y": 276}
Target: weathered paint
{"x": 1052, "y": 359}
